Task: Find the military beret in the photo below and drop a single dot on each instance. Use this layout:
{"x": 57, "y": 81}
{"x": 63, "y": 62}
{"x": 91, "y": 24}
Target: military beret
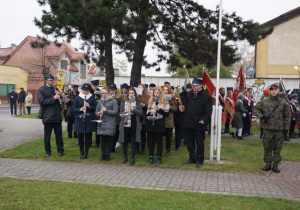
{"x": 274, "y": 86}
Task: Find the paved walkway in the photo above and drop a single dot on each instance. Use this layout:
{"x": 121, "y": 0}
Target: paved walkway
{"x": 19, "y": 130}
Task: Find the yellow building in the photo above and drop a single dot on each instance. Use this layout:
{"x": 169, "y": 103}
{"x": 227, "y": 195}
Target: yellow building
{"x": 11, "y": 76}
{"x": 277, "y": 54}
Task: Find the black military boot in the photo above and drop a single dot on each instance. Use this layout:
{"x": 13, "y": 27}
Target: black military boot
{"x": 103, "y": 158}
{"x": 267, "y": 167}
{"x": 275, "y": 168}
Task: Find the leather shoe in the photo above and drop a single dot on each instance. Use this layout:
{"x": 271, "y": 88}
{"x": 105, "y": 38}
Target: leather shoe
{"x": 81, "y": 155}
{"x": 168, "y": 154}
{"x": 199, "y": 165}
{"x": 124, "y": 161}
{"x": 132, "y": 162}
{"x": 287, "y": 139}
{"x": 190, "y": 161}
{"x": 275, "y": 168}
{"x": 239, "y": 137}
{"x": 103, "y": 157}
{"x": 60, "y": 153}
{"x": 48, "y": 154}
{"x": 267, "y": 167}
{"x": 85, "y": 155}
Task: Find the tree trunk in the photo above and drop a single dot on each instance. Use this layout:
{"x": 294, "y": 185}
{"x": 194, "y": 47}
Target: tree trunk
{"x": 140, "y": 44}
{"x": 110, "y": 76}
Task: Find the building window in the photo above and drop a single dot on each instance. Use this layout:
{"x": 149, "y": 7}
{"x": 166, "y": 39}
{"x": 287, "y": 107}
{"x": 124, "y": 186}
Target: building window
{"x": 83, "y": 71}
{"x": 64, "y": 64}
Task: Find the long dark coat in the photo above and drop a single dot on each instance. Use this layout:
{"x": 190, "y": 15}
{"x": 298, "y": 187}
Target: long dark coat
{"x": 196, "y": 109}
{"x": 88, "y": 126}
{"x": 159, "y": 125}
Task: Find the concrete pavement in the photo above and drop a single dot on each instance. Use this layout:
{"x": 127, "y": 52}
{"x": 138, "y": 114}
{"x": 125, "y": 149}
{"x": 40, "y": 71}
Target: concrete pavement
{"x": 17, "y": 131}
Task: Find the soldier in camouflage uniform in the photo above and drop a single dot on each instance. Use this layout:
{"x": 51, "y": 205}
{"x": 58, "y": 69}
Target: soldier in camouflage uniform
{"x": 273, "y": 125}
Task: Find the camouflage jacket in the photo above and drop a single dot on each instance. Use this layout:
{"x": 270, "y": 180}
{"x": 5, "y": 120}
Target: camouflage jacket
{"x": 280, "y": 118}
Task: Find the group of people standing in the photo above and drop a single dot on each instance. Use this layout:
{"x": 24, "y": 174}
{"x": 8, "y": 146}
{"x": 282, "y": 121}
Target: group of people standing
{"x": 137, "y": 116}
{"x": 23, "y": 99}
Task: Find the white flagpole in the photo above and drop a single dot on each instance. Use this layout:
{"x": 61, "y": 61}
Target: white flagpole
{"x": 216, "y": 129}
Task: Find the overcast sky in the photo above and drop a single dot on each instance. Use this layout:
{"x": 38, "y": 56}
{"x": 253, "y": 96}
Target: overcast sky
{"x": 16, "y": 18}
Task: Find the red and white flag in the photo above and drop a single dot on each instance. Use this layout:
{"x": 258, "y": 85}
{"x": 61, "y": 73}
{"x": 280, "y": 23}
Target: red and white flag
{"x": 240, "y": 82}
{"x": 206, "y": 81}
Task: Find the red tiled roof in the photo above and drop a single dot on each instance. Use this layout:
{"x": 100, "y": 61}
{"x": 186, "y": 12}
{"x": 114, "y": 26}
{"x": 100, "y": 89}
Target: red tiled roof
{"x": 5, "y": 53}
{"x": 54, "y": 51}
{"x": 73, "y": 68}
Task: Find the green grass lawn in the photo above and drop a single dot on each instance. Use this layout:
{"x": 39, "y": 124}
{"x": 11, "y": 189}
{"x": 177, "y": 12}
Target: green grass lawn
{"x": 244, "y": 156}
{"x": 34, "y": 194}
{"x": 32, "y": 115}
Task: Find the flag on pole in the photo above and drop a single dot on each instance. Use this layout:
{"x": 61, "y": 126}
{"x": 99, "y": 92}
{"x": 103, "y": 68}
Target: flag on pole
{"x": 206, "y": 81}
{"x": 91, "y": 70}
{"x": 281, "y": 86}
{"x": 240, "y": 82}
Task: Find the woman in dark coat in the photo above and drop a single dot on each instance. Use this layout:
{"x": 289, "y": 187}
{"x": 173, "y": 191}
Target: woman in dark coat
{"x": 130, "y": 125}
{"x": 156, "y": 128}
{"x": 107, "y": 109}
{"x": 84, "y": 108}
{"x": 238, "y": 116}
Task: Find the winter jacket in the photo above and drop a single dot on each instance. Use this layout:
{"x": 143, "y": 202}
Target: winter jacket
{"x": 22, "y": 96}
{"x": 13, "y": 97}
{"x": 28, "y": 100}
{"x": 179, "y": 115}
{"x": 137, "y": 111}
{"x": 108, "y": 125}
{"x": 197, "y": 108}
{"x": 87, "y": 126}
{"x": 173, "y": 108}
{"x": 50, "y": 108}
{"x": 159, "y": 125}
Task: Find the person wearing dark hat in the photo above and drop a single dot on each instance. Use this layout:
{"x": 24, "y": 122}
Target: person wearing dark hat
{"x": 198, "y": 109}
{"x": 116, "y": 93}
{"x": 50, "y": 113}
{"x": 124, "y": 88}
{"x": 21, "y": 101}
{"x": 13, "y": 97}
{"x": 275, "y": 117}
{"x": 84, "y": 107}
{"x": 96, "y": 92}
{"x": 70, "y": 115}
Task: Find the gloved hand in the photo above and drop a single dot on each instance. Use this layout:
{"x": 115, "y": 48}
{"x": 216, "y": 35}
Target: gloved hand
{"x": 264, "y": 118}
{"x": 244, "y": 114}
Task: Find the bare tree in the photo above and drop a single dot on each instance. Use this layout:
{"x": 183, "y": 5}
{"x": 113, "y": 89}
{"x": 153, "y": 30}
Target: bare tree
{"x": 247, "y": 53}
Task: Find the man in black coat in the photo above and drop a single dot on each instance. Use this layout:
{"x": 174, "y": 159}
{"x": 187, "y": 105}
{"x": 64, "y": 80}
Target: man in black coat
{"x": 48, "y": 98}
{"x": 13, "y": 97}
{"x": 198, "y": 109}
{"x": 21, "y": 101}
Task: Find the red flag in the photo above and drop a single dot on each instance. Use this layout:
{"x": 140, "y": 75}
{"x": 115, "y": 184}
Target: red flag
{"x": 91, "y": 70}
{"x": 240, "y": 82}
{"x": 206, "y": 81}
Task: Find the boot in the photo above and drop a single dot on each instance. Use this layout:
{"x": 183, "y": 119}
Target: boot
{"x": 275, "y": 168}
{"x": 132, "y": 162}
{"x": 124, "y": 160}
{"x": 81, "y": 155}
{"x": 267, "y": 167}
{"x": 84, "y": 155}
{"x": 232, "y": 134}
{"x": 151, "y": 160}
{"x": 107, "y": 158}
{"x": 158, "y": 160}
{"x": 239, "y": 137}
{"x": 103, "y": 158}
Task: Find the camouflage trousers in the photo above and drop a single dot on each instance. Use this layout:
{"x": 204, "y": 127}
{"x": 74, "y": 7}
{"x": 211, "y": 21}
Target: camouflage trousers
{"x": 272, "y": 142}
